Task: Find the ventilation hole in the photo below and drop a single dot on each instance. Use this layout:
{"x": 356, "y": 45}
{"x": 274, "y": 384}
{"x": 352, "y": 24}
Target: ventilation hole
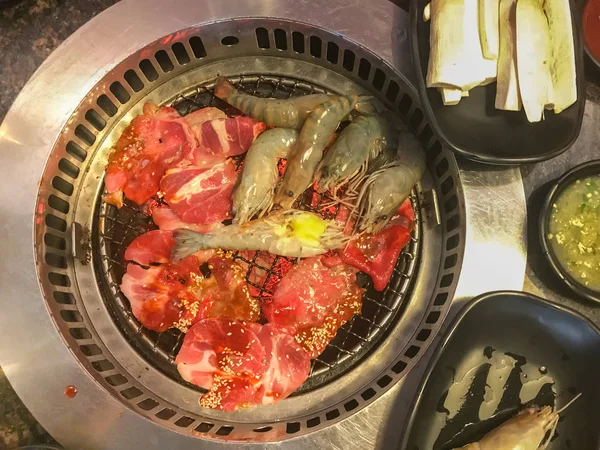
{"x": 223, "y": 431}
{"x": 452, "y": 242}
{"x": 90, "y": 350}
{"x": 262, "y": 38}
{"x": 432, "y": 317}
{"x": 446, "y": 280}
{"x": 423, "y": 335}
{"x": 369, "y": 393}
{"x": 62, "y": 186}
{"x": 107, "y": 105}
{"x": 280, "y": 39}
{"x": 384, "y": 381}
{"x": 56, "y": 261}
{"x": 131, "y": 392}
{"x": 163, "y": 60}
{"x": 378, "y": 79}
{"x": 447, "y": 185}
{"x": 64, "y": 298}
{"x": 310, "y": 423}
{"x": 333, "y": 52}
{"x": 426, "y": 134}
{"x": 451, "y": 204}
{"x": 292, "y": 427}
{"x": 85, "y": 135}
{"x": 68, "y": 168}
{"x": 95, "y": 119}
{"x": 315, "y": 46}
{"x": 442, "y": 167}
{"x": 180, "y": 53}
{"x": 204, "y": 427}
{"x": 54, "y": 241}
{"x": 103, "y": 365}
{"x": 148, "y": 404}
{"x": 298, "y": 42}
{"x": 399, "y": 367}
{"x": 450, "y": 261}
{"x": 452, "y": 223}
{"x": 405, "y": 104}
{"x": 148, "y": 70}
{"x": 440, "y": 299}
{"x": 119, "y": 92}
{"x": 133, "y": 80}
{"x": 392, "y": 91}
{"x": 58, "y": 279}
{"x": 76, "y": 151}
{"x": 352, "y": 404}
{"x": 71, "y": 316}
{"x": 197, "y": 47}
{"x": 80, "y": 333}
{"x": 412, "y": 351}
{"x": 333, "y": 414}
{"x": 349, "y": 59}
{"x": 364, "y": 69}
{"x": 166, "y": 414}
{"x": 116, "y": 380}
{"x": 416, "y": 118}
{"x": 262, "y": 430}
{"x": 58, "y": 203}
{"x": 55, "y": 222}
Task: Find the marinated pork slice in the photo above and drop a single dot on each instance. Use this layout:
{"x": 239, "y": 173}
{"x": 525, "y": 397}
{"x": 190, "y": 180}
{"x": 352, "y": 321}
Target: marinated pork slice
{"x": 152, "y": 247}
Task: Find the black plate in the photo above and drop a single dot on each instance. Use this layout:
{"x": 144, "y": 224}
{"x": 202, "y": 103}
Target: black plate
{"x": 476, "y": 129}
{"x": 538, "y": 334}
{"x": 583, "y": 170}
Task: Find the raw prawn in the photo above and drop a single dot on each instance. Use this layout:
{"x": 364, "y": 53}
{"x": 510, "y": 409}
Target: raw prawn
{"x": 254, "y": 193}
{"x": 526, "y": 431}
{"x": 386, "y": 189}
{"x": 315, "y": 134}
{"x": 287, "y": 233}
{"x": 359, "y": 143}
{"x": 290, "y": 113}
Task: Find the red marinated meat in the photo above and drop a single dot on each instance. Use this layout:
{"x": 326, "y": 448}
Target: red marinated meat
{"x": 166, "y": 219}
{"x": 312, "y": 301}
{"x": 152, "y": 143}
{"x": 202, "y": 115}
{"x": 200, "y": 195}
{"x": 224, "y": 138}
{"x": 376, "y": 254}
{"x": 152, "y": 247}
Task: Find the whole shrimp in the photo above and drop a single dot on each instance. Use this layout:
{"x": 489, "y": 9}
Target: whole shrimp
{"x": 386, "y": 188}
{"x": 290, "y": 113}
{"x": 526, "y": 431}
{"x": 254, "y": 193}
{"x": 316, "y": 133}
{"x": 360, "y": 142}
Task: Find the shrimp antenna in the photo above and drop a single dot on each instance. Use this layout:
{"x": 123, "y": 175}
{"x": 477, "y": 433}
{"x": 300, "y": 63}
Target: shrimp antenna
{"x": 569, "y": 404}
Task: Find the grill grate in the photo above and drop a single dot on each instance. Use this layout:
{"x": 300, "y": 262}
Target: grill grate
{"x": 118, "y": 228}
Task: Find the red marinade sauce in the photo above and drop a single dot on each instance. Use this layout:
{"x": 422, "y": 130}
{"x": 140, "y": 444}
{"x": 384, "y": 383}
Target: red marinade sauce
{"x": 591, "y": 27}
{"x": 70, "y": 391}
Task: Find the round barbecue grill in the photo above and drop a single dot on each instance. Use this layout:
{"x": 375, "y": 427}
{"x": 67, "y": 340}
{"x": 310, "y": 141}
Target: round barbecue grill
{"x": 75, "y": 327}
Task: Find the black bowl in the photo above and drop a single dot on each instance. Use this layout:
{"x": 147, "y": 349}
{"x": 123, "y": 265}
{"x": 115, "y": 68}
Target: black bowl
{"x": 476, "y": 129}
{"x": 581, "y": 171}
{"x": 537, "y": 334}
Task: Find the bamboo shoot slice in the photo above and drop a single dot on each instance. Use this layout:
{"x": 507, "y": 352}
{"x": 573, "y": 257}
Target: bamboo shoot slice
{"x": 562, "y": 48}
{"x": 533, "y": 58}
{"x": 488, "y": 28}
{"x": 450, "y": 96}
{"x": 508, "y": 96}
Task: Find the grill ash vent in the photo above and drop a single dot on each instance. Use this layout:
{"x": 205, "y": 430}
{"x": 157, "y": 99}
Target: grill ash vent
{"x": 177, "y": 70}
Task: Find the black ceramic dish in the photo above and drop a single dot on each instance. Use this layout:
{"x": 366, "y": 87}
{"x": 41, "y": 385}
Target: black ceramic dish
{"x": 476, "y": 129}
{"x": 584, "y": 170}
{"x": 538, "y": 334}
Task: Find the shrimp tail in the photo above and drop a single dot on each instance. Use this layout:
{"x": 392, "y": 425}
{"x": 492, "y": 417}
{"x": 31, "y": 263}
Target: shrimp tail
{"x": 187, "y": 242}
{"x": 224, "y": 88}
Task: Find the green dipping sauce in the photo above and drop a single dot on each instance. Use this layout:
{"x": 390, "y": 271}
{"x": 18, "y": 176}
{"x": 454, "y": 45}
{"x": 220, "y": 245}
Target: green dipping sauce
{"x": 574, "y": 231}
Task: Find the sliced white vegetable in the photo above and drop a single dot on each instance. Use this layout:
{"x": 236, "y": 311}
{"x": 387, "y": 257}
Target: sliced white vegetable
{"x": 533, "y": 58}
{"x": 451, "y": 96}
{"x": 508, "y": 96}
{"x": 562, "y": 67}
{"x": 488, "y": 28}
